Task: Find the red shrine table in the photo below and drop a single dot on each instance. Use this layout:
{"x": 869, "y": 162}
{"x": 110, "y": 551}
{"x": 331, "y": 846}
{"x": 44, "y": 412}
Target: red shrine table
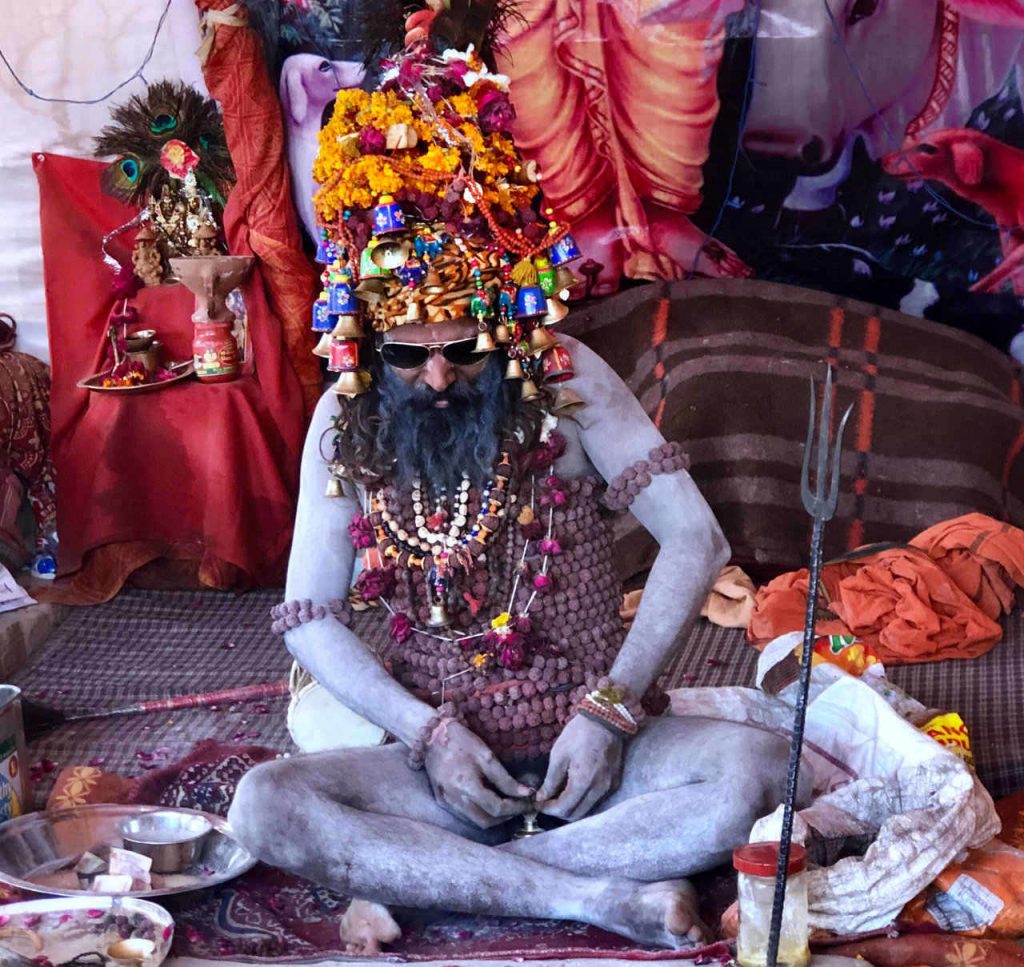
{"x": 200, "y": 471}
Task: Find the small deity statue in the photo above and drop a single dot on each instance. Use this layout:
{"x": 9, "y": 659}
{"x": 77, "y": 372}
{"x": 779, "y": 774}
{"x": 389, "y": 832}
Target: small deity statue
{"x": 147, "y": 261}
{"x": 204, "y": 240}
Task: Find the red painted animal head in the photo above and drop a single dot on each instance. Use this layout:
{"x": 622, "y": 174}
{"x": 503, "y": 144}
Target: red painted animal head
{"x": 954, "y": 156}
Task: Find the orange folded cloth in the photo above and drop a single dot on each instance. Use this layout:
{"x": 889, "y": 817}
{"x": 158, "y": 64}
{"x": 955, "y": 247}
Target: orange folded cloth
{"x": 729, "y": 605}
{"x": 936, "y": 598}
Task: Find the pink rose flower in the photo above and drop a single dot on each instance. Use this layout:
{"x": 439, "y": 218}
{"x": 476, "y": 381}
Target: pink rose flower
{"x": 361, "y": 531}
{"x": 372, "y": 141}
{"x": 512, "y": 654}
{"x": 495, "y": 112}
{"x": 401, "y": 628}
{"x": 178, "y": 158}
{"x": 374, "y": 583}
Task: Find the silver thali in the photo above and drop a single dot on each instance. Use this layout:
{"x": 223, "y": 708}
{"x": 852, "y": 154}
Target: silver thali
{"x": 38, "y": 851}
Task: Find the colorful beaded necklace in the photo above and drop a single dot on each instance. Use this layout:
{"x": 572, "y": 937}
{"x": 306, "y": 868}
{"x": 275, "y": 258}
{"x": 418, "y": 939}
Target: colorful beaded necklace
{"x": 442, "y": 541}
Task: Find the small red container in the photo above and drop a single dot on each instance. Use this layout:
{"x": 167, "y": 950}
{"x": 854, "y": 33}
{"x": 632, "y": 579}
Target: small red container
{"x": 557, "y": 365}
{"x": 215, "y": 352}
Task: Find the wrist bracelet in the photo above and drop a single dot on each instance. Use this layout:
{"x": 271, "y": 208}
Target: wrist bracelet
{"x": 614, "y": 707}
{"x": 436, "y": 730}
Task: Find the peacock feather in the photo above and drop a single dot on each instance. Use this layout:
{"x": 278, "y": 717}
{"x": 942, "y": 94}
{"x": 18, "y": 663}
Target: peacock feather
{"x": 168, "y": 110}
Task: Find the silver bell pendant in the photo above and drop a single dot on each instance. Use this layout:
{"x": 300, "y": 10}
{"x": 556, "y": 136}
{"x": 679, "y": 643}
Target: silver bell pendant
{"x": 438, "y": 616}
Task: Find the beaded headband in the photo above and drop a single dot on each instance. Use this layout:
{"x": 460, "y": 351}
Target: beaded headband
{"x": 429, "y": 214}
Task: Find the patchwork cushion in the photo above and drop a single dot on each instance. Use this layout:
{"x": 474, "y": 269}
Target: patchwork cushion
{"x": 937, "y": 427}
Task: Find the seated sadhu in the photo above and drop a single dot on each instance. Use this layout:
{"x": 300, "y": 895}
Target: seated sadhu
{"x": 455, "y": 467}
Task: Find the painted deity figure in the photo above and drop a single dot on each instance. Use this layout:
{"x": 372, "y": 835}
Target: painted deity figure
{"x": 616, "y": 103}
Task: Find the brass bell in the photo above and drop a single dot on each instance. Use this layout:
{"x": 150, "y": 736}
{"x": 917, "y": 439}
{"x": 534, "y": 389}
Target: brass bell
{"x": 566, "y": 279}
{"x": 567, "y": 400}
{"x": 438, "y": 616}
{"x": 323, "y": 348}
{"x": 484, "y": 341}
{"x": 529, "y": 391}
{"x": 415, "y": 311}
{"x": 348, "y": 327}
{"x": 352, "y": 383}
{"x": 371, "y": 290}
{"x": 502, "y": 336}
{"x": 557, "y": 311}
{"x": 334, "y": 487}
{"x": 514, "y": 370}
{"x": 391, "y": 253}
{"x": 541, "y": 340}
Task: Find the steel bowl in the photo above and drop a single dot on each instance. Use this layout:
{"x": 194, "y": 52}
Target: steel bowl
{"x": 171, "y": 838}
{"x": 39, "y": 851}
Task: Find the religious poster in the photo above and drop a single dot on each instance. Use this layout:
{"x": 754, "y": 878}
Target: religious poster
{"x": 868, "y": 148}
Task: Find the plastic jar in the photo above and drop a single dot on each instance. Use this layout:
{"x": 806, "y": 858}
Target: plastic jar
{"x": 756, "y": 865}
{"x": 215, "y": 352}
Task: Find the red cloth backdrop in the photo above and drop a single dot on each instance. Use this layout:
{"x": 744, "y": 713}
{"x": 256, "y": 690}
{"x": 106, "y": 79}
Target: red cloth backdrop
{"x": 193, "y": 470}
{"x": 261, "y": 218}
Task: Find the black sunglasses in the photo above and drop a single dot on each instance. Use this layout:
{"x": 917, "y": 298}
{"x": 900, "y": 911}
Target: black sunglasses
{"x": 413, "y": 355}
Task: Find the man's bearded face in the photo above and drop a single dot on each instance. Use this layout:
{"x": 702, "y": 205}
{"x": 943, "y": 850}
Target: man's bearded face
{"x": 442, "y": 422}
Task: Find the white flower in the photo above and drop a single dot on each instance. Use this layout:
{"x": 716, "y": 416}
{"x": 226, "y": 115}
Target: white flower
{"x": 451, "y": 54}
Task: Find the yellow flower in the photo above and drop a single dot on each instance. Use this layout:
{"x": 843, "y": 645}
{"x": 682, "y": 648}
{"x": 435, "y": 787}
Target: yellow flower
{"x": 501, "y": 621}
{"x": 479, "y": 660}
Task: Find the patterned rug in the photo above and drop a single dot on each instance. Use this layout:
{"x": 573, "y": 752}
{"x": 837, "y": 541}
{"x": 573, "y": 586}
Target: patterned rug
{"x": 147, "y": 644}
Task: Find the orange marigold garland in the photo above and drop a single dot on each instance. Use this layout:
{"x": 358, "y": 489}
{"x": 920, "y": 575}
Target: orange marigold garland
{"x": 430, "y": 214}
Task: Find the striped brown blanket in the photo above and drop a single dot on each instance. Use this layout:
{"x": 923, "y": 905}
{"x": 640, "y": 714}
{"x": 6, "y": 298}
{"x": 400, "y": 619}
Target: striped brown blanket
{"x": 723, "y": 367}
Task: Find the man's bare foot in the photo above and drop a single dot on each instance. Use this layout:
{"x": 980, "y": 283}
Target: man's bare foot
{"x": 366, "y": 926}
{"x": 660, "y": 914}
{"x": 677, "y": 237}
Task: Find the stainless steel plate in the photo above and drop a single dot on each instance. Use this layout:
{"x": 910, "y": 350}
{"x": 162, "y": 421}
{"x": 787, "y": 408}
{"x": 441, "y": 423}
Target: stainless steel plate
{"x": 63, "y": 929}
{"x": 38, "y": 851}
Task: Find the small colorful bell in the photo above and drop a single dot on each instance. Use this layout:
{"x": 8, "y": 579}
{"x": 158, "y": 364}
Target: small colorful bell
{"x": 344, "y": 357}
{"x": 556, "y": 365}
{"x": 391, "y": 254}
{"x": 529, "y": 391}
{"x": 415, "y": 311}
{"x": 566, "y": 280}
{"x": 530, "y": 302}
{"x": 351, "y": 384}
{"x": 541, "y": 341}
{"x": 322, "y": 321}
{"x": 324, "y": 249}
{"x": 341, "y": 299}
{"x": 368, "y": 269}
{"x": 484, "y": 340}
{"x": 388, "y": 216}
{"x": 545, "y": 275}
{"x": 348, "y": 327}
{"x": 557, "y": 311}
{"x": 438, "y": 616}
{"x": 565, "y": 250}
{"x": 567, "y": 400}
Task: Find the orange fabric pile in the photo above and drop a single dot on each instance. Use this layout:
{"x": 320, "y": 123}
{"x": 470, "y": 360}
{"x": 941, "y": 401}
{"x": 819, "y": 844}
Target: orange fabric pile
{"x": 939, "y": 597}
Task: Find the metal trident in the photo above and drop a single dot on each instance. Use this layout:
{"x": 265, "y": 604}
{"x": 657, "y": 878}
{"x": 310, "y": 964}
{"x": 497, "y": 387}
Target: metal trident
{"x": 820, "y": 503}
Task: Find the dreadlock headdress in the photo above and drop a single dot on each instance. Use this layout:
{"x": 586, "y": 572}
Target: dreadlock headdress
{"x": 430, "y": 214}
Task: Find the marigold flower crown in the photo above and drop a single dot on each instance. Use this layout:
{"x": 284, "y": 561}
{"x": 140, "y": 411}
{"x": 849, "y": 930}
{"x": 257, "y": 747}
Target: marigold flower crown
{"x": 429, "y": 214}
